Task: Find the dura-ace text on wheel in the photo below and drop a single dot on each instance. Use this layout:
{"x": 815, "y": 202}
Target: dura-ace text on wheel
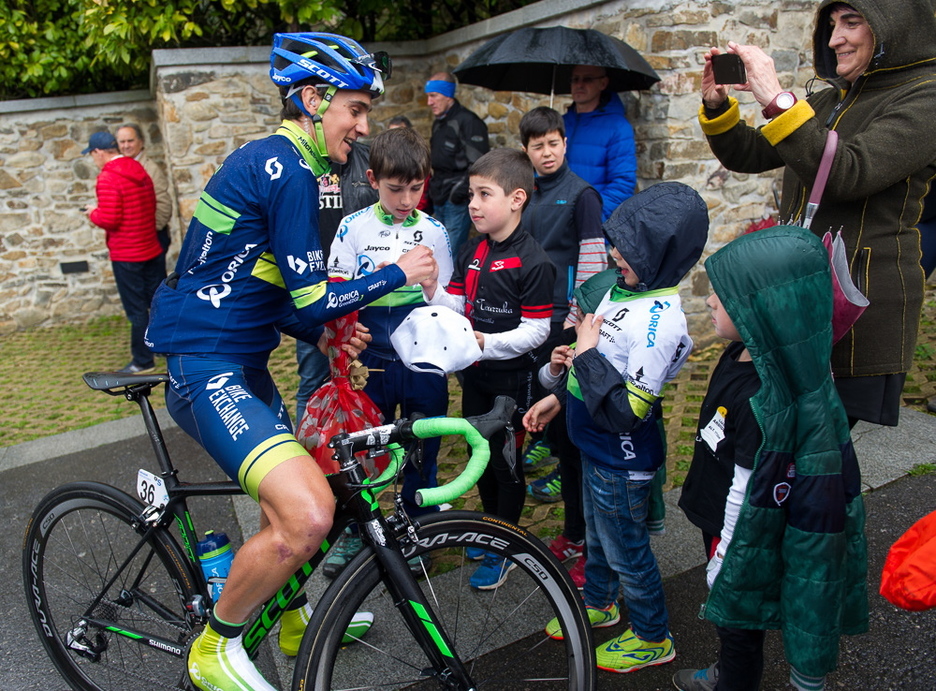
{"x": 497, "y": 634}
{"x": 108, "y": 606}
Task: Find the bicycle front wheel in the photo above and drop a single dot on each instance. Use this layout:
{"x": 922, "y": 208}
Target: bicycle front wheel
{"x": 108, "y": 606}
{"x": 498, "y": 634}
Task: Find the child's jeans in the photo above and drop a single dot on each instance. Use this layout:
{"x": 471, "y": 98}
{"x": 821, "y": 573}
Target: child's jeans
{"x": 618, "y": 542}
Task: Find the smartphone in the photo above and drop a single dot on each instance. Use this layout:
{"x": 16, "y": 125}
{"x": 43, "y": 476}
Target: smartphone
{"x": 728, "y": 68}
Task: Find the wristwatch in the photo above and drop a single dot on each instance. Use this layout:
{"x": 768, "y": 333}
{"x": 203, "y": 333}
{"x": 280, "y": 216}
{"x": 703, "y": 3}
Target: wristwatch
{"x": 781, "y": 103}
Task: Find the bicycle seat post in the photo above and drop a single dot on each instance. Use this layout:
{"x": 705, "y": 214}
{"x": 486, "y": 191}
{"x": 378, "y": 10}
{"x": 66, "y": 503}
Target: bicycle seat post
{"x": 154, "y": 432}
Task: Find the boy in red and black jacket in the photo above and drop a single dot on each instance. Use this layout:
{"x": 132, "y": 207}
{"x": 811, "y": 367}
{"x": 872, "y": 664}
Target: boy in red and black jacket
{"x": 503, "y": 282}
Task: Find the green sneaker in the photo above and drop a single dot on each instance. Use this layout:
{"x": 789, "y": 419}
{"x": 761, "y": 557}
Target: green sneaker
{"x": 342, "y": 552}
{"x": 216, "y": 663}
{"x": 627, "y": 653}
{"x": 294, "y": 621}
{"x": 599, "y": 618}
{"x": 538, "y": 455}
{"x": 547, "y": 489}
{"x": 292, "y": 627}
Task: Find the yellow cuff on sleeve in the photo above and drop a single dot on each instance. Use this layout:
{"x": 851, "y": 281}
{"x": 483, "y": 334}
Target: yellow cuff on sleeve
{"x": 788, "y": 122}
{"x": 722, "y": 123}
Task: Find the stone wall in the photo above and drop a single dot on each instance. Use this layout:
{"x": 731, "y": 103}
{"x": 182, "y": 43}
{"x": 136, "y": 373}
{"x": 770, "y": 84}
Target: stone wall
{"x": 210, "y": 101}
{"x": 44, "y": 182}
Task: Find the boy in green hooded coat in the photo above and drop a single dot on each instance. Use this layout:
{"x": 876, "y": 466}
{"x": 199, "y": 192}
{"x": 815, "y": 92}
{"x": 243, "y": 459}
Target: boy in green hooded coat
{"x": 774, "y": 483}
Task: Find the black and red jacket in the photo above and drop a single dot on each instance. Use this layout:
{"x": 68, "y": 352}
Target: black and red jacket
{"x": 502, "y": 283}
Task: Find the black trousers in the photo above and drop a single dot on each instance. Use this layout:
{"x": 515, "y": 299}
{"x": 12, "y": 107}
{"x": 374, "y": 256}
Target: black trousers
{"x": 136, "y": 283}
{"x": 502, "y": 492}
{"x": 741, "y": 657}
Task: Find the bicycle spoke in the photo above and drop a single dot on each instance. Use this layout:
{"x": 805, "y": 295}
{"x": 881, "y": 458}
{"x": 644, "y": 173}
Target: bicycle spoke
{"x": 489, "y": 631}
{"x": 118, "y": 638}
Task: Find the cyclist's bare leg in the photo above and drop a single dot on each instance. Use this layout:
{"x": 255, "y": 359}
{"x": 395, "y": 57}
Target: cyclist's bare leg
{"x": 297, "y": 508}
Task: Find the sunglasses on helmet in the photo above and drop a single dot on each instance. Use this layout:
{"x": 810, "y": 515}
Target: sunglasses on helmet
{"x": 379, "y": 61}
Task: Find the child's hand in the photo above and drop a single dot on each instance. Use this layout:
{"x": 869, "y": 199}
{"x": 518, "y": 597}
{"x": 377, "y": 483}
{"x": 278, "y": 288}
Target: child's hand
{"x": 541, "y": 413}
{"x": 560, "y": 358}
{"x": 417, "y": 264}
{"x": 479, "y": 337}
{"x": 358, "y": 342}
{"x": 431, "y": 284}
{"x": 588, "y": 329}
{"x": 574, "y": 317}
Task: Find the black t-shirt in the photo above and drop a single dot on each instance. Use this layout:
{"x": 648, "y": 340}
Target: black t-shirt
{"x": 331, "y": 208}
{"x": 728, "y": 435}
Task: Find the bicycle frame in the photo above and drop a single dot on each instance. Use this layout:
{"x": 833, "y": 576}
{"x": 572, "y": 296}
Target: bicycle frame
{"x": 356, "y": 503}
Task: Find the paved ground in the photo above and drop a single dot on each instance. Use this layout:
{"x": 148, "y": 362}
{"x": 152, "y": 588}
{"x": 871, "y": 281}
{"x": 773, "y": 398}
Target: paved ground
{"x": 897, "y": 653}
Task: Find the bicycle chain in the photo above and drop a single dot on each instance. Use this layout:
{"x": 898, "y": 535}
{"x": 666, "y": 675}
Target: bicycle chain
{"x": 188, "y": 635}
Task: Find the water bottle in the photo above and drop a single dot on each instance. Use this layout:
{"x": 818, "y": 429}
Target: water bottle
{"x": 215, "y": 556}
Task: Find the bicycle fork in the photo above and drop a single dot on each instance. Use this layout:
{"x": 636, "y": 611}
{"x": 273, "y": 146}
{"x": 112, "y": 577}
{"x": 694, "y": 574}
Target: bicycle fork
{"x": 408, "y": 597}
{"x": 415, "y": 608}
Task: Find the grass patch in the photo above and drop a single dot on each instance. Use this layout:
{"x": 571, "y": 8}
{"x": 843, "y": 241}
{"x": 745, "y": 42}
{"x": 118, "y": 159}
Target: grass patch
{"x": 922, "y": 469}
{"x": 547, "y": 533}
{"x": 924, "y": 351}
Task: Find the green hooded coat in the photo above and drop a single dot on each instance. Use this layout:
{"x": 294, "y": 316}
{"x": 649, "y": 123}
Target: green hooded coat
{"x": 797, "y": 560}
{"x": 883, "y": 165}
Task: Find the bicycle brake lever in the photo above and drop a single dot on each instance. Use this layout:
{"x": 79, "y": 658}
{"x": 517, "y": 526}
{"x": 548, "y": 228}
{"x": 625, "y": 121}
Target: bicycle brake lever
{"x": 414, "y": 455}
{"x": 510, "y": 450}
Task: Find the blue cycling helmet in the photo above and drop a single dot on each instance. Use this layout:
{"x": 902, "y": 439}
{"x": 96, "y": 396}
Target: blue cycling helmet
{"x": 328, "y": 60}
{"x": 335, "y": 60}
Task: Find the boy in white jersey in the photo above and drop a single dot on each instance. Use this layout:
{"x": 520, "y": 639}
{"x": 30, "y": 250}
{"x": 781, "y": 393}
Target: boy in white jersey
{"x": 366, "y": 240}
{"x": 635, "y": 341}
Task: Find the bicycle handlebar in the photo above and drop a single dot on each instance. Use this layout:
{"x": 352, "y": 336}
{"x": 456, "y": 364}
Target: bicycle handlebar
{"x": 477, "y": 431}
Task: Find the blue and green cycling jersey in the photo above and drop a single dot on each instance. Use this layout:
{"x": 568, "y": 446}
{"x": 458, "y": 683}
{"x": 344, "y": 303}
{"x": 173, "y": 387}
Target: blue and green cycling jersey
{"x": 251, "y": 264}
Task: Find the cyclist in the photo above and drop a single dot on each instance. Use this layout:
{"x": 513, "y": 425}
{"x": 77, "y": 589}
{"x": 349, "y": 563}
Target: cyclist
{"x": 251, "y": 266}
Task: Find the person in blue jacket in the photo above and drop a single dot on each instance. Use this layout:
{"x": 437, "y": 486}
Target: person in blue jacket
{"x": 252, "y": 267}
{"x": 601, "y": 147}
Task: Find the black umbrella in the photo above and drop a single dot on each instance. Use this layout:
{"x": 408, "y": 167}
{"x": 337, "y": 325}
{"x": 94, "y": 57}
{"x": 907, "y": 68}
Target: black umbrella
{"x": 541, "y": 61}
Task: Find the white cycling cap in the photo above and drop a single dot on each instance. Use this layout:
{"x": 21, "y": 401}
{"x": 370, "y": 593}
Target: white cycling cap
{"x": 435, "y": 339}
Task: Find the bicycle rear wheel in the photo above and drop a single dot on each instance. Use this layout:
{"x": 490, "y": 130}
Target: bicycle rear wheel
{"x": 498, "y": 634}
{"x": 135, "y": 637}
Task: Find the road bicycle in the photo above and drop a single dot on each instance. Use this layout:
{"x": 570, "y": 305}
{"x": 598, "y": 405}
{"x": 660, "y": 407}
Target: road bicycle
{"x": 117, "y": 595}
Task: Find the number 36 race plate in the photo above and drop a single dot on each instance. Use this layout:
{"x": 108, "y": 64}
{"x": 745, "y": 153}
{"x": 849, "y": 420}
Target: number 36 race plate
{"x": 151, "y": 489}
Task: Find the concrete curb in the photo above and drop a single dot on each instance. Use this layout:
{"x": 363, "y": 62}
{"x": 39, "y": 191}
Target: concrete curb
{"x": 78, "y": 440}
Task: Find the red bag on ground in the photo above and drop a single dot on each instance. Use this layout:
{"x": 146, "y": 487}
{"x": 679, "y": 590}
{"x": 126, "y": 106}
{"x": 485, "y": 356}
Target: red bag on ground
{"x": 909, "y": 577}
{"x": 337, "y": 406}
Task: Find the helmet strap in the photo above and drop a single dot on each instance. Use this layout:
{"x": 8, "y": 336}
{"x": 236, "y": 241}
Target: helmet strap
{"x": 316, "y": 119}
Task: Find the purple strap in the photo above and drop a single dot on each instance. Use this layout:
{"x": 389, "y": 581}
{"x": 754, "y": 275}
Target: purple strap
{"x": 825, "y": 165}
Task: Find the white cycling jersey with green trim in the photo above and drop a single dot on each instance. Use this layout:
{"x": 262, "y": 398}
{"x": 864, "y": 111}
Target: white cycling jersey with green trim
{"x": 644, "y": 337}
{"x": 368, "y": 238}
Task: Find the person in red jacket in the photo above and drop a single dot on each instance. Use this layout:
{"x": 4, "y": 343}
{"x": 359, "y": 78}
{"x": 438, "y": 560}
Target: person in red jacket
{"x": 126, "y": 210}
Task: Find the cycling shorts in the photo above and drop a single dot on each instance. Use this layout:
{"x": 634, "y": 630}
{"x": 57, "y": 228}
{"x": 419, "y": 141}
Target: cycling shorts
{"x": 235, "y": 412}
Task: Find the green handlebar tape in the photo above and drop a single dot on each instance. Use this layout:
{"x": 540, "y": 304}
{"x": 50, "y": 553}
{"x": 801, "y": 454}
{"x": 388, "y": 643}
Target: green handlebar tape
{"x": 480, "y": 454}
{"x": 396, "y": 459}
